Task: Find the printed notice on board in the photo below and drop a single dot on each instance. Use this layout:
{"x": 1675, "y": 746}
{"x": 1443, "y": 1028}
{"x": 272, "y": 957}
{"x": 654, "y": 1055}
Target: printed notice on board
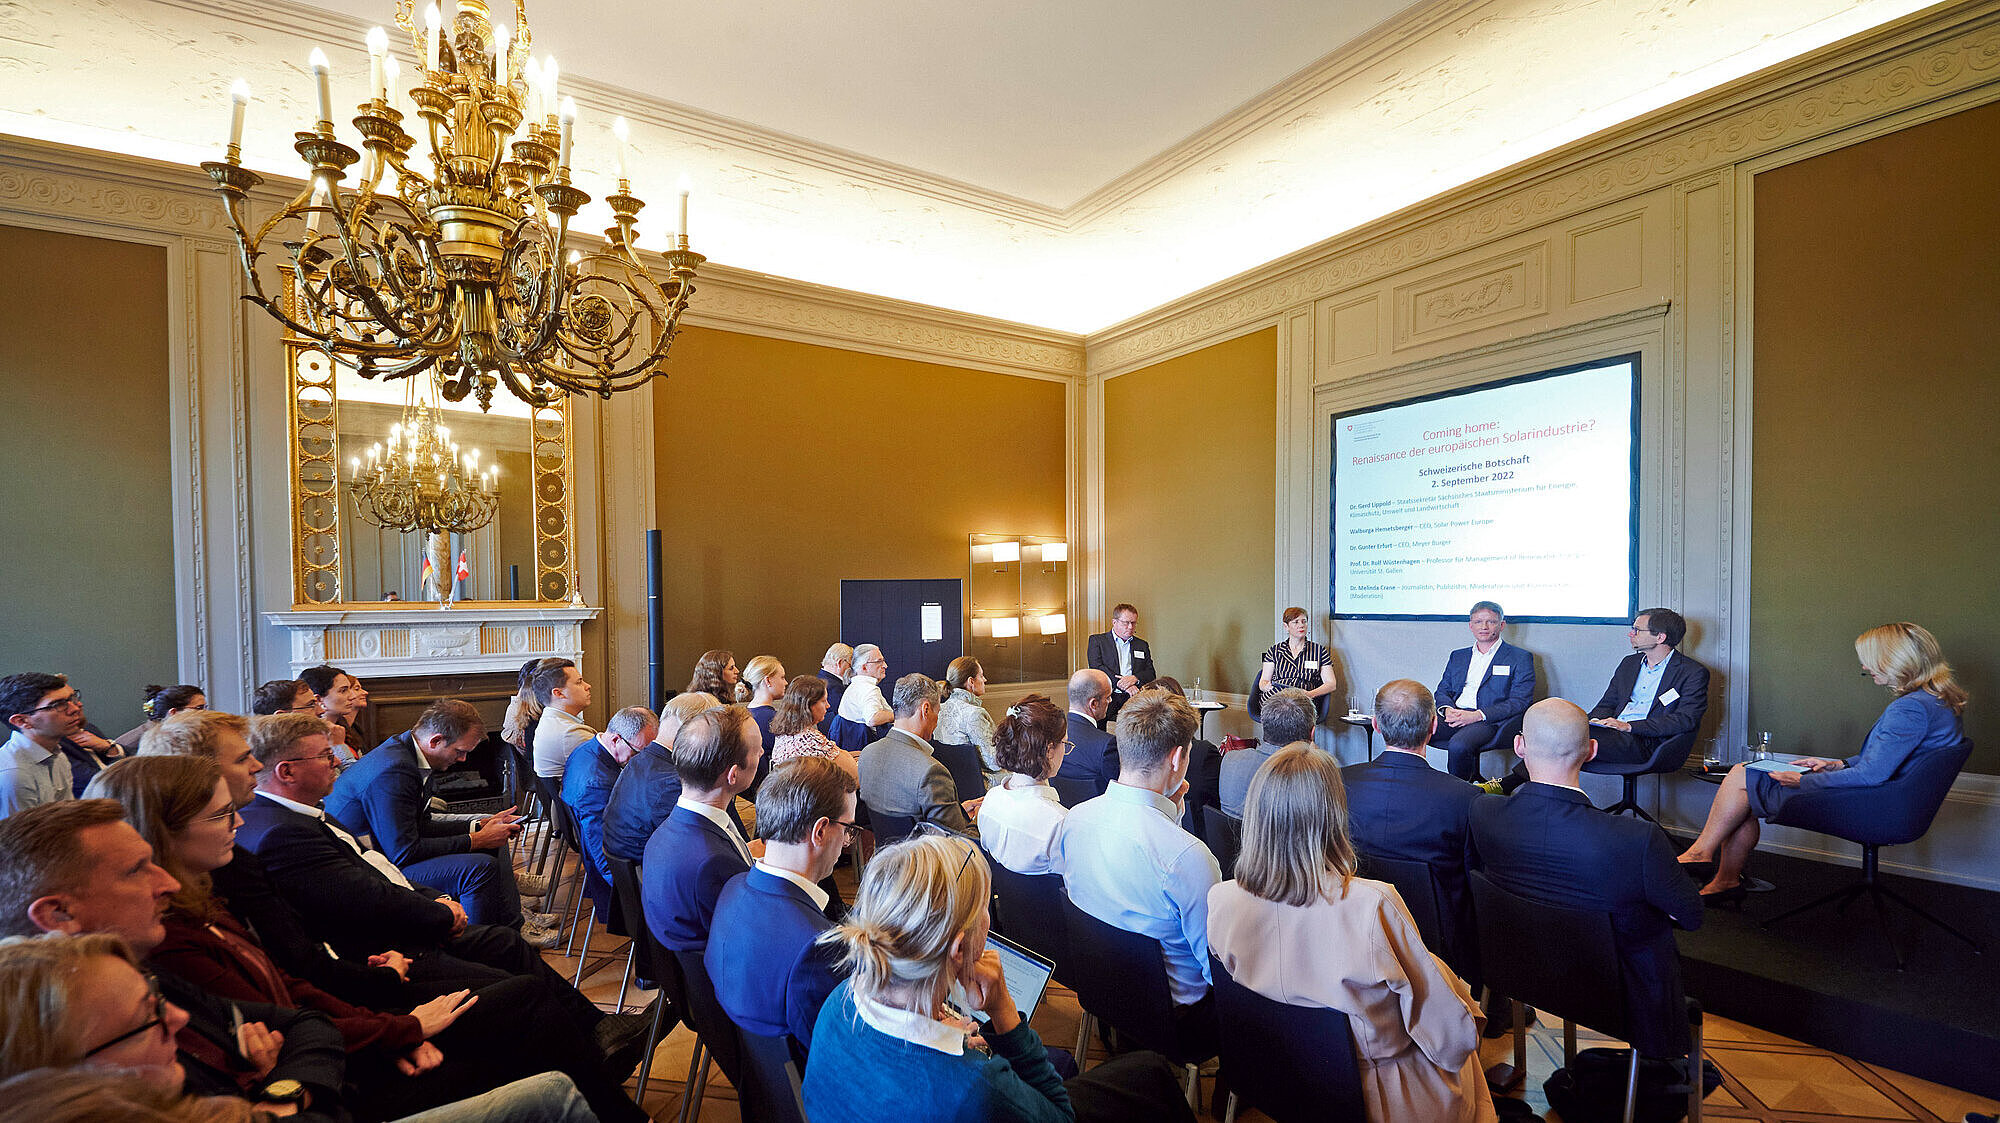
{"x": 933, "y": 622}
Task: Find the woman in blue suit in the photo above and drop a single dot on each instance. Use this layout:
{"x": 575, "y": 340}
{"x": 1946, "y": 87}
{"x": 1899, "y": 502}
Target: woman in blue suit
{"x": 1925, "y": 715}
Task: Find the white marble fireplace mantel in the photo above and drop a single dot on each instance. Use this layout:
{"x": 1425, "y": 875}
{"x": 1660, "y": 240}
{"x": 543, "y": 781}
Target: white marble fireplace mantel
{"x": 423, "y": 639}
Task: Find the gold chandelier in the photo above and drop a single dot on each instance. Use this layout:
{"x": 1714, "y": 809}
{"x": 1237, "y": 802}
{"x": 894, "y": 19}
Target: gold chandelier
{"x": 421, "y": 480}
{"x": 465, "y": 272}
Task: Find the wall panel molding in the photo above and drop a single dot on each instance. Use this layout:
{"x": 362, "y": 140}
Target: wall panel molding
{"x": 1833, "y": 89}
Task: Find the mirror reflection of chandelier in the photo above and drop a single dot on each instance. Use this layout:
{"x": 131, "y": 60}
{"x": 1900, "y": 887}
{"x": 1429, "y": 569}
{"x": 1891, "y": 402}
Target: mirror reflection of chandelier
{"x": 462, "y": 270}
{"x": 421, "y": 480}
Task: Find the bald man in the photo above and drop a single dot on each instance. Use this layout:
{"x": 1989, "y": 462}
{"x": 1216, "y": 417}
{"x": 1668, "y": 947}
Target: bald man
{"x": 1547, "y": 843}
{"x": 1093, "y": 753}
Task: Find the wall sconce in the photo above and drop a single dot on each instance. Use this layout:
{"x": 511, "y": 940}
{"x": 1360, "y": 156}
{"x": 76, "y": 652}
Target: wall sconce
{"x": 1054, "y": 624}
{"x": 1006, "y": 552}
{"x": 981, "y": 627}
{"x": 1006, "y": 627}
{"x": 1055, "y": 551}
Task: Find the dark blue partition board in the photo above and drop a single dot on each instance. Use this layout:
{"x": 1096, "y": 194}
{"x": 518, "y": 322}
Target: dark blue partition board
{"x": 890, "y": 614}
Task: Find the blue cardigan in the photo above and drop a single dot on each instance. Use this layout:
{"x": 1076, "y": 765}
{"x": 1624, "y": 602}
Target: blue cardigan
{"x": 858, "y": 1074}
{"x": 1914, "y": 722}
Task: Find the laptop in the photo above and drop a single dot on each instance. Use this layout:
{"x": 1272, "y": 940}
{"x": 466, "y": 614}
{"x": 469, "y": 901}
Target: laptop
{"x": 1026, "y": 974}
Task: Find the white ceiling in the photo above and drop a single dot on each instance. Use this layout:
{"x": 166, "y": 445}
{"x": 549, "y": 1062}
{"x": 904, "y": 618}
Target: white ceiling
{"x": 1043, "y": 100}
{"x": 1062, "y": 164}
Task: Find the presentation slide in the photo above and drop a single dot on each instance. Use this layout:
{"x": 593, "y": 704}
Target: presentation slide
{"x": 1523, "y": 492}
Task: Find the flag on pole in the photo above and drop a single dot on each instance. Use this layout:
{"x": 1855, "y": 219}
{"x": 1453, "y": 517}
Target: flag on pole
{"x": 427, "y": 576}
{"x": 464, "y": 570}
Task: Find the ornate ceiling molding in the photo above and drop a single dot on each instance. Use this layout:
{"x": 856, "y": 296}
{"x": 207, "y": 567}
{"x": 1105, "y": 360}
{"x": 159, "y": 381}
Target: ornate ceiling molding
{"x": 1903, "y": 66}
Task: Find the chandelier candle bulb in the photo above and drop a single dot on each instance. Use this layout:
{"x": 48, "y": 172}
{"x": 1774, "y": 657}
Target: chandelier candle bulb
{"x": 501, "y": 72}
{"x": 320, "y": 69}
{"x": 378, "y": 50}
{"x": 686, "y": 185}
{"x": 623, "y": 132}
{"x": 568, "y": 128}
{"x": 433, "y": 38}
{"x": 531, "y": 72}
{"x": 239, "y": 101}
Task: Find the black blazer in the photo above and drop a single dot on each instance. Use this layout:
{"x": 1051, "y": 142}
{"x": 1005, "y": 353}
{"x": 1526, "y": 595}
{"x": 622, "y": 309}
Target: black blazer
{"x": 1549, "y": 844}
{"x": 1093, "y": 755}
{"x": 1104, "y": 657}
{"x": 1683, "y": 678}
{"x": 351, "y": 903}
{"x": 1401, "y": 808}
{"x": 248, "y": 891}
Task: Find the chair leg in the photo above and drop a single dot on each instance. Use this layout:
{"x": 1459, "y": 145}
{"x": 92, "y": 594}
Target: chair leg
{"x": 1569, "y": 1042}
{"x": 584, "y": 958}
{"x": 1191, "y": 1087}
{"x": 631, "y": 955}
{"x": 575, "y": 906}
{"x": 1694, "y": 1073}
{"x": 1628, "y": 800}
{"x": 1083, "y": 1041}
{"x": 1229, "y": 1112}
{"x": 652, "y": 1044}
{"x": 1504, "y": 1077}
{"x": 697, "y": 1081}
{"x": 1632, "y": 1088}
{"x": 1925, "y": 915}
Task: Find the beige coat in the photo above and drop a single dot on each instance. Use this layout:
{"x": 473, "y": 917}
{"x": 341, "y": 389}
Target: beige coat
{"x": 1416, "y": 1031}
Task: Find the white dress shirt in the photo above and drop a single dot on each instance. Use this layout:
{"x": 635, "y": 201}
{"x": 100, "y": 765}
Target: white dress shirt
{"x": 1127, "y": 862}
{"x": 863, "y": 700}
{"x": 1018, "y": 826}
{"x": 1475, "y": 673}
{"x": 818, "y": 895}
{"x": 715, "y": 815}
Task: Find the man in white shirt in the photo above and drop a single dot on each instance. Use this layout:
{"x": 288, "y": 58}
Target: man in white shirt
{"x": 864, "y": 704}
{"x": 560, "y": 688}
{"x": 42, "y": 709}
{"x": 1127, "y": 862}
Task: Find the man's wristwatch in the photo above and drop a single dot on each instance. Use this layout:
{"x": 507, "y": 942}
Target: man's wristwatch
{"x": 285, "y": 1091}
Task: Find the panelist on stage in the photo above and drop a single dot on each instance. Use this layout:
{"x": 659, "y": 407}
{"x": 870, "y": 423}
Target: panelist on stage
{"x": 1124, "y": 658}
{"x": 1297, "y": 661}
{"x": 1484, "y": 687}
{"x": 1656, "y": 693}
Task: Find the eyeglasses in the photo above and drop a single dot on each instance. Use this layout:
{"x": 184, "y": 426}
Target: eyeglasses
{"x": 327, "y": 756}
{"x": 226, "y": 815}
{"x": 75, "y": 699}
{"x": 157, "y": 1021}
{"x": 853, "y": 829}
{"x": 1640, "y": 632}
{"x": 1067, "y": 745}
{"x": 926, "y": 827}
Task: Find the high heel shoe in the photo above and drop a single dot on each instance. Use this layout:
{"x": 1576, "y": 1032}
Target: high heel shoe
{"x": 1731, "y": 897}
{"x": 1703, "y": 872}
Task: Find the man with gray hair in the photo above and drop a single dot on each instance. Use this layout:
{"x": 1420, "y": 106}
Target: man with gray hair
{"x": 901, "y": 775}
{"x": 587, "y": 780}
{"x": 1484, "y": 688}
{"x": 835, "y": 668}
{"x": 1289, "y": 717}
{"x": 1400, "y": 808}
{"x": 863, "y": 705}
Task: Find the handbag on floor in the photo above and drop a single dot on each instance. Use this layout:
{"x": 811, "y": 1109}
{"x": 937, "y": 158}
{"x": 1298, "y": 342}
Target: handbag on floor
{"x": 1591, "y": 1089}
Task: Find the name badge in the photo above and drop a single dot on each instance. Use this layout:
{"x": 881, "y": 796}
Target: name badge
{"x": 1311, "y": 664}
{"x": 1670, "y": 697}
{"x": 1138, "y": 655}
{"x": 1503, "y": 670}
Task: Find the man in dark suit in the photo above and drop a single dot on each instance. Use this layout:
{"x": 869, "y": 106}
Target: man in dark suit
{"x": 1548, "y": 843}
{"x": 1656, "y": 693}
{"x": 353, "y": 899}
{"x": 769, "y": 975}
{"x": 834, "y": 667}
{"x": 1399, "y": 807}
{"x": 1092, "y": 762}
{"x": 387, "y": 796}
{"x": 1483, "y": 688}
{"x": 588, "y": 778}
{"x": 1124, "y": 658}
{"x": 698, "y": 849}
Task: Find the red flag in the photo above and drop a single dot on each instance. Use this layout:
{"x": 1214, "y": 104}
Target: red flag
{"x": 464, "y": 570}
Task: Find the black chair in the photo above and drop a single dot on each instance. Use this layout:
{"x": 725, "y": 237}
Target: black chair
{"x": 891, "y": 829}
{"x": 966, "y": 769}
{"x": 1416, "y": 883}
{"x": 1028, "y": 909}
{"x": 704, "y": 1013}
{"x": 1891, "y": 813}
{"x": 1120, "y": 979}
{"x": 1668, "y": 756}
{"x": 659, "y": 966}
{"x": 1565, "y": 961}
{"x": 1070, "y": 792}
{"x": 1254, "y": 705}
{"x": 770, "y": 1092}
{"x": 561, "y": 837}
{"x": 1293, "y": 1063}
{"x": 1502, "y": 741}
{"x": 1224, "y": 835}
